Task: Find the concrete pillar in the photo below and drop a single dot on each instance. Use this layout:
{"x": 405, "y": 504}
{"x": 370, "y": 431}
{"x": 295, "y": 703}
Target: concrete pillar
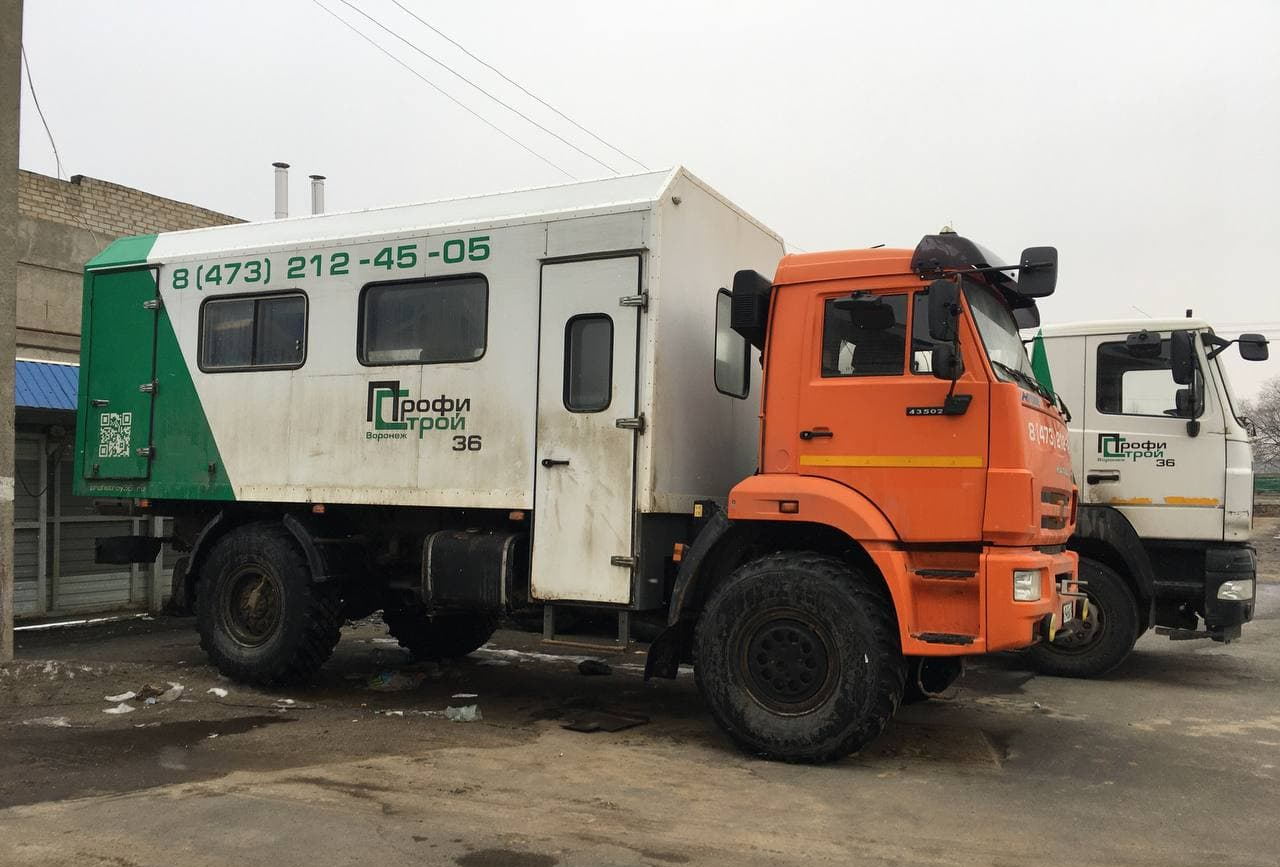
{"x": 10, "y": 93}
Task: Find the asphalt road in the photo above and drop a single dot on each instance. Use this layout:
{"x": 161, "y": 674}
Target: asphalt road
{"x": 1174, "y": 759}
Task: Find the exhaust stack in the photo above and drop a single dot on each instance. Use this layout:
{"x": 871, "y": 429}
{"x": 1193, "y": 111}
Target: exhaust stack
{"x": 317, "y": 194}
{"x": 282, "y": 190}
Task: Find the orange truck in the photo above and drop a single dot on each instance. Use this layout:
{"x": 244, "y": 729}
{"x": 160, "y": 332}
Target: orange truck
{"x": 912, "y": 504}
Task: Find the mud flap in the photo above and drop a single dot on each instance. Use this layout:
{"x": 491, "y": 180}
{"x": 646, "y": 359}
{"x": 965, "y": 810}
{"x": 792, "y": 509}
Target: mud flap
{"x": 667, "y": 650}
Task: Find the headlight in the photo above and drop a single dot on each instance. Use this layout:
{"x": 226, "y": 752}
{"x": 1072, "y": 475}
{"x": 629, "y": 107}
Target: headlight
{"x": 1026, "y": 585}
{"x": 1232, "y": 591}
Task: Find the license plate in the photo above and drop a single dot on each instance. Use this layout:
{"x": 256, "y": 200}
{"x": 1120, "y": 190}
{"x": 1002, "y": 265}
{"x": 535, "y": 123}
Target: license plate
{"x": 1068, "y": 612}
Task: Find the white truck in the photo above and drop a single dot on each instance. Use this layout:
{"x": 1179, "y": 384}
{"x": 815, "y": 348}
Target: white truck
{"x": 1166, "y": 473}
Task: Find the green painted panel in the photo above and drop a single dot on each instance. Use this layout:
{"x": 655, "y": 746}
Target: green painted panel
{"x": 187, "y": 465}
{"x": 124, "y": 251}
{"x": 117, "y": 423}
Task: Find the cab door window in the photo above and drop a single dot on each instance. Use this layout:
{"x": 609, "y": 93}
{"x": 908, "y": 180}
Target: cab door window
{"x": 1129, "y": 385}
{"x": 864, "y": 335}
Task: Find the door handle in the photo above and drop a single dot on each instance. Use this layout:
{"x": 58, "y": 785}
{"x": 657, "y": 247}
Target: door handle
{"x": 99, "y": 401}
{"x": 549, "y": 463}
{"x": 816, "y": 434}
{"x": 1098, "y": 478}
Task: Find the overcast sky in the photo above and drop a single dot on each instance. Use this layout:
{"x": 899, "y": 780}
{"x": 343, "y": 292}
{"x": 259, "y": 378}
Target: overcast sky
{"x": 1140, "y": 138}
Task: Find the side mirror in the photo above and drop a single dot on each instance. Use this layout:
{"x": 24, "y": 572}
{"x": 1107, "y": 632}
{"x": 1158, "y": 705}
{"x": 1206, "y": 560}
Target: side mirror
{"x": 1143, "y": 344}
{"x": 944, "y": 307}
{"x": 1038, "y": 276}
{"x": 1184, "y": 403}
{"x": 1182, "y": 357}
{"x": 1026, "y": 317}
{"x": 1253, "y": 347}
{"x": 946, "y": 362}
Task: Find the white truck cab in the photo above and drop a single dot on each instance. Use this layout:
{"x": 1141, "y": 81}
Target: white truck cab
{"x": 1166, "y": 485}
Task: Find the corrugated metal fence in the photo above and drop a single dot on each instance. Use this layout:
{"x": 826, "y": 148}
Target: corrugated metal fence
{"x": 54, "y": 533}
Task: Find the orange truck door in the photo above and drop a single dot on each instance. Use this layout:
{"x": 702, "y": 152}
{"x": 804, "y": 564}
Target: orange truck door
{"x": 864, "y": 418}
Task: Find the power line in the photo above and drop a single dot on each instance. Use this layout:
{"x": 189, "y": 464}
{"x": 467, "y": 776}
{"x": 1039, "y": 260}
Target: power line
{"x": 454, "y": 72}
{"x": 514, "y": 83}
{"x": 57, "y": 160}
{"x": 442, "y": 91}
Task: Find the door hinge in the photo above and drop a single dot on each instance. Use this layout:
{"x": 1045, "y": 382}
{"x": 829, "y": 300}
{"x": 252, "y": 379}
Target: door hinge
{"x": 625, "y": 562}
{"x": 641, "y": 301}
{"x": 153, "y": 304}
{"x": 635, "y": 423}
{"x": 149, "y": 387}
{"x": 147, "y": 452}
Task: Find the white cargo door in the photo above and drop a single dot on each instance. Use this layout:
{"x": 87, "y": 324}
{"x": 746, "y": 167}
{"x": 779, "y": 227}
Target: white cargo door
{"x": 585, "y": 478}
{"x": 1138, "y": 454}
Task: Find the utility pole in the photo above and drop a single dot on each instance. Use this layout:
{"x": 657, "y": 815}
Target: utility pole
{"x": 10, "y": 100}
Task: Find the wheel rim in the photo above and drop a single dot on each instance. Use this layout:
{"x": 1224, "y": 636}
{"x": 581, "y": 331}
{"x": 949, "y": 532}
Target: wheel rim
{"x": 252, "y": 606}
{"x": 1090, "y": 633}
{"x": 786, "y": 662}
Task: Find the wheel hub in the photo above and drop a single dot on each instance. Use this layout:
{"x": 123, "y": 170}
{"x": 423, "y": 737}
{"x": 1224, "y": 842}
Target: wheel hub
{"x": 787, "y": 664}
{"x": 252, "y": 606}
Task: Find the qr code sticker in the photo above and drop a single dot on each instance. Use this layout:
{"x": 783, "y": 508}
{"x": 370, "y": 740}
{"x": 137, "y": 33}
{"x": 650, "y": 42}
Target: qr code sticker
{"x": 116, "y": 431}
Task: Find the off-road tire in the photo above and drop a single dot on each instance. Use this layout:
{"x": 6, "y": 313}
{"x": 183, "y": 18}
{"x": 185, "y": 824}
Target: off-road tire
{"x": 1113, "y": 602}
{"x": 846, "y": 621}
{"x": 298, "y": 641}
{"x": 440, "y": 636}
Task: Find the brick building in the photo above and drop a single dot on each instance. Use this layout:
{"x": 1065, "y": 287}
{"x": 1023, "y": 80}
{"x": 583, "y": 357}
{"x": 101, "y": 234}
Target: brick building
{"x": 61, "y": 225}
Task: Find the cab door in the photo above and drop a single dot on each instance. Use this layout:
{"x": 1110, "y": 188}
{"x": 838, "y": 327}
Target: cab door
{"x": 584, "y": 483}
{"x": 868, "y": 417}
{"x": 119, "y": 374}
{"x": 1138, "y": 454}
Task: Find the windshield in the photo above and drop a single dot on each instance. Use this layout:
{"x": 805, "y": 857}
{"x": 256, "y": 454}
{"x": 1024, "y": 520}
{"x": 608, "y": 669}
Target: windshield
{"x": 1226, "y": 387}
{"x": 999, "y": 333}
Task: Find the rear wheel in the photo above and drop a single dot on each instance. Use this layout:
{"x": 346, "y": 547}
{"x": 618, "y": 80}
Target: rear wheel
{"x": 439, "y": 636}
{"x": 260, "y": 616}
{"x": 1110, "y": 630}
{"x": 798, "y": 657}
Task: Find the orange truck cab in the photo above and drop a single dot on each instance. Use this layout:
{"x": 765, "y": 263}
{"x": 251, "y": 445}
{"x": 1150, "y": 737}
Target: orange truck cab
{"x": 912, "y": 504}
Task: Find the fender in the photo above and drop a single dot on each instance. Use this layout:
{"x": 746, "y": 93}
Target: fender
{"x": 328, "y": 559}
{"x": 757, "y": 499}
{"x": 1107, "y": 526}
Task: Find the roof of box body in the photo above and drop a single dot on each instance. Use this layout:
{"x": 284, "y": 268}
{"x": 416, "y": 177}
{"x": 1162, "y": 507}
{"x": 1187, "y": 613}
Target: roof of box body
{"x": 1122, "y": 326}
{"x": 579, "y": 199}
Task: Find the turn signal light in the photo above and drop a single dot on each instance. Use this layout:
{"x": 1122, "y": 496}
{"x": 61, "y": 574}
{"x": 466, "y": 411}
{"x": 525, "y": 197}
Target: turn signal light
{"x": 317, "y": 509}
{"x": 677, "y": 552}
{"x": 789, "y": 507}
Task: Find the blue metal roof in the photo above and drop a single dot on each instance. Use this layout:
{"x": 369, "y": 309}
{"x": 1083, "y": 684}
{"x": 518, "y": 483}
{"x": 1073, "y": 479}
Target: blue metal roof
{"x": 46, "y": 385}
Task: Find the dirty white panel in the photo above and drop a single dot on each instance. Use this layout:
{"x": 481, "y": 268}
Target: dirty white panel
{"x": 583, "y": 503}
{"x": 604, "y": 234}
{"x": 701, "y": 442}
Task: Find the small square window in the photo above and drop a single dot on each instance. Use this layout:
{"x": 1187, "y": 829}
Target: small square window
{"x": 424, "y": 321}
{"x": 266, "y": 332}
{"x": 864, "y": 335}
{"x": 588, "y": 363}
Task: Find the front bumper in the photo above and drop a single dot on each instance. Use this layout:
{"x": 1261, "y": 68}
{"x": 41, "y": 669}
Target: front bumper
{"x": 1222, "y": 563}
{"x": 1012, "y": 625}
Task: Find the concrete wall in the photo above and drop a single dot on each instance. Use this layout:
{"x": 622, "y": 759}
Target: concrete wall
{"x": 63, "y": 224}
{"x": 10, "y": 84}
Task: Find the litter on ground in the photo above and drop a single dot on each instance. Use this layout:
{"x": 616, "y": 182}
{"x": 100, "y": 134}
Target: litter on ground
{"x": 467, "y": 713}
{"x": 120, "y": 708}
{"x": 124, "y": 696}
{"x": 216, "y": 690}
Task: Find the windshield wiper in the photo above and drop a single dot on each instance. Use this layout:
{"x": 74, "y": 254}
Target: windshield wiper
{"x": 1036, "y": 385}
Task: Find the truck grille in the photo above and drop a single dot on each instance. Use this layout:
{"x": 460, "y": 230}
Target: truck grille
{"x": 1056, "y": 513}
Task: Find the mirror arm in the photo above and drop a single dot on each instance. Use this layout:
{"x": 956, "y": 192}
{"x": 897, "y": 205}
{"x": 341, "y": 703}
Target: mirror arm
{"x": 1218, "y": 344}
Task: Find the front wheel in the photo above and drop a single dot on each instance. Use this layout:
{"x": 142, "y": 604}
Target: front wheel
{"x": 797, "y": 655}
{"x": 1110, "y": 630}
{"x": 261, "y": 618}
